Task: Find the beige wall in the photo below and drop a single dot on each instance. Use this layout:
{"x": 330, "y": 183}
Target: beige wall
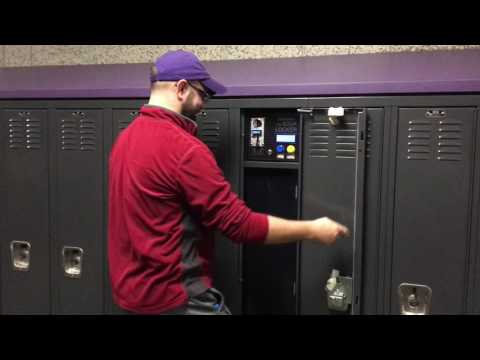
{"x": 40, "y": 55}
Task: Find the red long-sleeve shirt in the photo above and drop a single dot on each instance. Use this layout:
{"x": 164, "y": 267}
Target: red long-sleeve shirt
{"x": 166, "y": 196}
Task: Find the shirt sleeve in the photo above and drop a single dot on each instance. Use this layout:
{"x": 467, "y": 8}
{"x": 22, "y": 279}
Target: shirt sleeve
{"x": 210, "y": 198}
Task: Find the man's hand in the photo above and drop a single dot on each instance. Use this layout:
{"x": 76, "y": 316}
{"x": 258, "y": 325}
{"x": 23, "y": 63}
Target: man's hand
{"x": 327, "y": 231}
{"x": 323, "y": 230}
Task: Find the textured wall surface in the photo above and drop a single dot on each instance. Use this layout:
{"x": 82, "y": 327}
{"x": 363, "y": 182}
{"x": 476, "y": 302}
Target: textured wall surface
{"x": 40, "y": 55}
{"x": 18, "y": 55}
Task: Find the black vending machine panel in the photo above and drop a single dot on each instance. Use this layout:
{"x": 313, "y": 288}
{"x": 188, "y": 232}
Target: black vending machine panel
{"x": 272, "y": 135}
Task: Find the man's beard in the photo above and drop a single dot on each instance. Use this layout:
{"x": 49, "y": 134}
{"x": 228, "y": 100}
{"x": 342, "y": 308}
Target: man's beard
{"x": 188, "y": 110}
{"x": 190, "y": 114}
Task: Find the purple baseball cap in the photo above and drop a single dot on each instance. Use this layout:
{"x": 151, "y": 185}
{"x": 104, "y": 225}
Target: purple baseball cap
{"x": 178, "y": 65}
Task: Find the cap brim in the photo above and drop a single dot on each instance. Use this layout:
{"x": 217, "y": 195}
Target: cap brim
{"x": 214, "y": 86}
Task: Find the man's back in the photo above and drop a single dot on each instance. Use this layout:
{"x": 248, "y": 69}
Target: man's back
{"x": 151, "y": 256}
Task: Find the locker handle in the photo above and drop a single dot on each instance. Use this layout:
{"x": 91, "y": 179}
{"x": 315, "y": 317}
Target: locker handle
{"x": 72, "y": 261}
{"x": 339, "y": 292}
{"x": 20, "y": 255}
{"x": 414, "y": 299}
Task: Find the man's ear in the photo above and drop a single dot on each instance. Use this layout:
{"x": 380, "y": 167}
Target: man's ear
{"x": 182, "y": 86}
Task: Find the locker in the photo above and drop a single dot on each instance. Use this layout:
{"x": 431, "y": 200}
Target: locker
{"x": 121, "y": 118}
{"x": 270, "y": 272}
{"x": 432, "y": 208}
{"x": 25, "y": 246}
{"x": 77, "y": 198}
{"x": 3, "y": 195}
{"x": 271, "y": 185}
{"x": 214, "y": 130}
{"x": 329, "y": 189}
{"x": 474, "y": 294}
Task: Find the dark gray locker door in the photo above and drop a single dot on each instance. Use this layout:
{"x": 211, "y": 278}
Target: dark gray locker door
{"x": 3, "y": 194}
{"x": 121, "y": 119}
{"x": 213, "y": 130}
{"x": 432, "y": 202}
{"x": 78, "y": 204}
{"x": 26, "y": 286}
{"x": 474, "y": 295}
{"x": 329, "y": 166}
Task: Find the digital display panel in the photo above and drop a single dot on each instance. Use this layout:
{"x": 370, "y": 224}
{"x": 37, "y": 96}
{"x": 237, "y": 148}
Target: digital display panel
{"x": 290, "y": 139}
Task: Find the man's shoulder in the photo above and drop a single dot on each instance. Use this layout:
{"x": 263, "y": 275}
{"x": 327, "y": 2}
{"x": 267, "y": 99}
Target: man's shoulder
{"x": 175, "y": 138}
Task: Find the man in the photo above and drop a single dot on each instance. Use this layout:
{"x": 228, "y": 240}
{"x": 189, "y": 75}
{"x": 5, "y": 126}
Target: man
{"x": 167, "y": 196}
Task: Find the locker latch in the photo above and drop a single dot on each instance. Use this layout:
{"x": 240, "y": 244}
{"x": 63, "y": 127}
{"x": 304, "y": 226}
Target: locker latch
{"x": 334, "y": 113}
{"x": 339, "y": 292}
{"x": 20, "y": 254}
{"x": 72, "y": 261}
{"x": 414, "y": 299}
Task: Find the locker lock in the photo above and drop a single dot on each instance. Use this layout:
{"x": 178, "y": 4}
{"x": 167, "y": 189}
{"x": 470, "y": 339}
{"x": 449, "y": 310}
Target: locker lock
{"x": 334, "y": 113}
{"x": 414, "y": 299}
{"x": 72, "y": 262}
{"x": 20, "y": 255}
{"x": 339, "y": 292}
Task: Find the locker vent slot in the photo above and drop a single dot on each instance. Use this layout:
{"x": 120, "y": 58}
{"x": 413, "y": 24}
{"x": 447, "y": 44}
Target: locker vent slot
{"x": 449, "y": 140}
{"x": 419, "y": 140}
{"x": 319, "y": 138}
{"x": 87, "y": 134}
{"x": 368, "y": 149}
{"x": 123, "y": 124}
{"x": 24, "y": 131}
{"x": 346, "y": 140}
{"x": 69, "y": 134}
{"x": 210, "y": 134}
{"x": 78, "y": 133}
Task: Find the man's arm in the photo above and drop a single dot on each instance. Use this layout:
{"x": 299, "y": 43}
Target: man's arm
{"x": 323, "y": 230}
{"x": 210, "y": 198}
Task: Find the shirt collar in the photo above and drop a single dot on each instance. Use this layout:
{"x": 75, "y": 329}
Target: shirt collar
{"x": 159, "y": 111}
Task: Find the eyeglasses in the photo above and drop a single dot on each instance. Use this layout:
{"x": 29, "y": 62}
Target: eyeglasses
{"x": 203, "y": 94}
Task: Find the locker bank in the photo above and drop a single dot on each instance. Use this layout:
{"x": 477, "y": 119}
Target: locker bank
{"x": 387, "y": 144}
